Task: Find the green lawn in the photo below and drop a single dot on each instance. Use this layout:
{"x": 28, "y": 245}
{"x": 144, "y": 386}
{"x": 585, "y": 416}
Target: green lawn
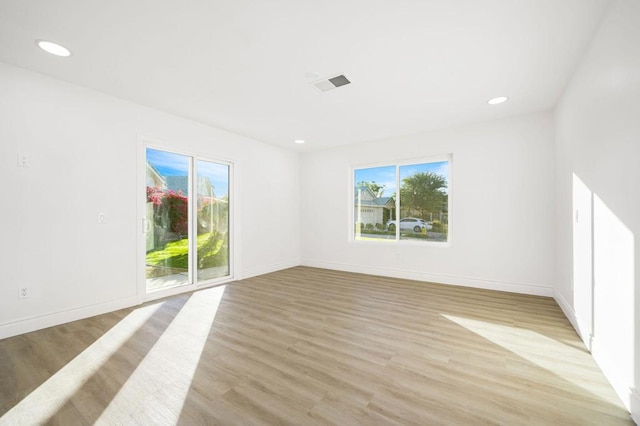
{"x": 211, "y": 252}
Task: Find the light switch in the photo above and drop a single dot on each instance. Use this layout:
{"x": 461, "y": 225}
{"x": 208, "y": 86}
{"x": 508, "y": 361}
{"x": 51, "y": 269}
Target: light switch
{"x": 101, "y": 217}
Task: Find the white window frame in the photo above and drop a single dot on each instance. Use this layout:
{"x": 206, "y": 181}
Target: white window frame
{"x": 400, "y": 163}
{"x": 194, "y": 284}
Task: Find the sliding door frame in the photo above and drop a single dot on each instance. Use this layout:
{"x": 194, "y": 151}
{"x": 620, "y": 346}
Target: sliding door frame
{"x": 194, "y": 284}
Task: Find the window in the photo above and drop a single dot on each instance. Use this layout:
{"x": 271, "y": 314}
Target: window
{"x": 407, "y": 201}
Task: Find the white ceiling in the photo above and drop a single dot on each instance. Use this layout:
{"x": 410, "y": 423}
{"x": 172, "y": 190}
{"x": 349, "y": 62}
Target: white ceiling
{"x": 242, "y": 65}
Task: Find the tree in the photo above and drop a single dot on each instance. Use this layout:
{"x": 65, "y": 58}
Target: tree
{"x": 373, "y": 186}
{"x": 423, "y": 192}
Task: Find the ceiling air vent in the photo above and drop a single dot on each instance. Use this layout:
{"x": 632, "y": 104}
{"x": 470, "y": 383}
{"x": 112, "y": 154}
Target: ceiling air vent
{"x": 331, "y": 83}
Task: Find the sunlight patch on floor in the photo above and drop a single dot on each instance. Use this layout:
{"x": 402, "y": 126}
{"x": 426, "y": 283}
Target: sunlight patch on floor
{"x": 548, "y": 354}
{"x": 158, "y": 388}
{"x": 53, "y": 394}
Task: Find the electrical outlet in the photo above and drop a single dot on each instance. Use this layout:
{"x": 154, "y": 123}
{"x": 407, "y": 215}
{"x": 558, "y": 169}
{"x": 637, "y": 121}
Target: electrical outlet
{"x": 23, "y": 292}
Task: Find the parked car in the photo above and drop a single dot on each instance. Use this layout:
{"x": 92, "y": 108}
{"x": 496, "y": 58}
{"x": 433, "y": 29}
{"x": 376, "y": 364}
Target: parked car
{"x": 410, "y": 223}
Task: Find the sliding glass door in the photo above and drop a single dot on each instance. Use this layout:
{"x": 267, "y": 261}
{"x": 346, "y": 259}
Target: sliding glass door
{"x": 213, "y": 220}
{"x": 167, "y": 220}
{"x": 186, "y": 223}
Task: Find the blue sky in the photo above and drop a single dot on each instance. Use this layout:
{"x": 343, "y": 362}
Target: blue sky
{"x": 170, "y": 164}
{"x": 440, "y": 168}
{"x": 386, "y": 175}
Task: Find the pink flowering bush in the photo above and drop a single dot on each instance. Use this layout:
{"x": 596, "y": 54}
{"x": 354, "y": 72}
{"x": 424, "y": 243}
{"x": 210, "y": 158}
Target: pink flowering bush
{"x": 170, "y": 209}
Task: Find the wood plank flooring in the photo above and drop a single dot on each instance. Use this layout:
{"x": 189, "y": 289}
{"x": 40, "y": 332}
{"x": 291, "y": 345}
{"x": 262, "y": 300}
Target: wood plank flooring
{"x": 311, "y": 346}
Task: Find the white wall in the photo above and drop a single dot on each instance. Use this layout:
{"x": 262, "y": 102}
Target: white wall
{"x": 83, "y": 147}
{"x": 502, "y": 217}
{"x": 598, "y": 142}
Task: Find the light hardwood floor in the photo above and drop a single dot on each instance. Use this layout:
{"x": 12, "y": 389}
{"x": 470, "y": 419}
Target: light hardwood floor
{"x": 312, "y": 346}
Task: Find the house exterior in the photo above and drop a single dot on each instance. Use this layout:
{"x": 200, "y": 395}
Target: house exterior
{"x": 154, "y": 178}
{"x": 181, "y": 184}
{"x": 371, "y": 209}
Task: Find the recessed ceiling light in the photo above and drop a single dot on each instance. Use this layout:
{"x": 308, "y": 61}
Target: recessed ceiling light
{"x": 299, "y": 141}
{"x": 498, "y": 100}
{"x": 53, "y": 48}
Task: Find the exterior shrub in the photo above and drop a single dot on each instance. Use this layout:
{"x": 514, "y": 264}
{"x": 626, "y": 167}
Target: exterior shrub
{"x": 170, "y": 209}
{"x": 437, "y": 226}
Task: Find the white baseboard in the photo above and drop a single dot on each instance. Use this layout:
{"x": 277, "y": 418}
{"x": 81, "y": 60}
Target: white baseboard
{"x": 635, "y": 405}
{"x": 39, "y": 322}
{"x": 537, "y": 290}
{"x": 27, "y": 325}
{"x": 573, "y": 319}
{"x": 567, "y": 309}
{"x": 619, "y": 380}
{"x": 629, "y": 397}
{"x": 267, "y": 269}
